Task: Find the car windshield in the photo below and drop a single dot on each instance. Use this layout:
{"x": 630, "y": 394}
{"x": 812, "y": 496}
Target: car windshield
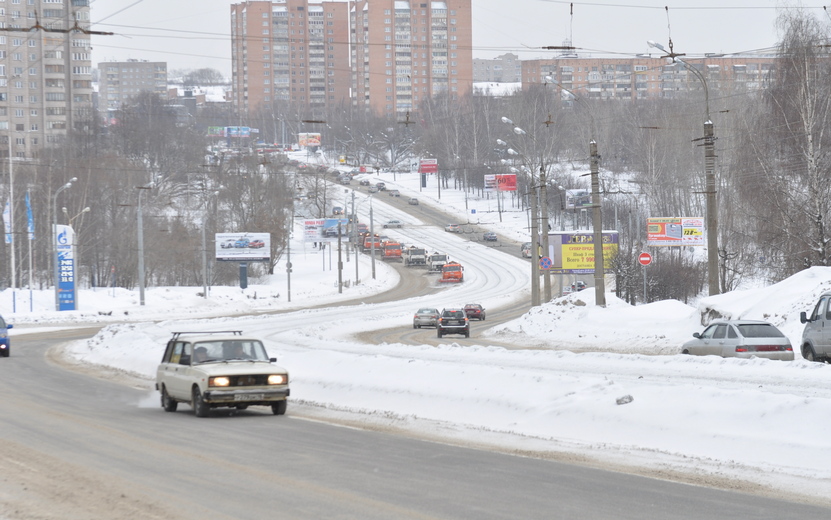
{"x": 760, "y": 330}
{"x": 427, "y": 311}
{"x": 227, "y": 350}
{"x": 453, "y": 314}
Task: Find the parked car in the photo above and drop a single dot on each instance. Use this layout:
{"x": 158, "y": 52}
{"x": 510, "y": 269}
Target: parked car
{"x": 374, "y": 189}
{"x": 425, "y": 317}
{"x": 5, "y": 342}
{"x": 453, "y": 228}
{"x": 453, "y": 321}
{"x": 255, "y": 244}
{"x": 525, "y": 250}
{"x": 393, "y": 224}
{"x": 474, "y": 310}
{"x": 394, "y": 193}
{"x": 816, "y": 341}
{"x": 220, "y": 369}
{"x": 364, "y": 182}
{"x": 742, "y": 339}
{"x": 412, "y": 201}
{"x": 489, "y": 236}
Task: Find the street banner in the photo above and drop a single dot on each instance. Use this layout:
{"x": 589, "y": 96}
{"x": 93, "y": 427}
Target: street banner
{"x": 65, "y": 245}
{"x": 675, "y": 231}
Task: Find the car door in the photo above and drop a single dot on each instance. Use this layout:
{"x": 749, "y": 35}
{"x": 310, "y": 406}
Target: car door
{"x": 703, "y": 345}
{"x": 816, "y": 330}
{"x": 730, "y": 341}
{"x": 178, "y": 384}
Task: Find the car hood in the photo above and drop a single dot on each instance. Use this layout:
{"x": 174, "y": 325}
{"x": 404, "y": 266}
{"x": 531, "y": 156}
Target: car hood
{"x": 235, "y": 368}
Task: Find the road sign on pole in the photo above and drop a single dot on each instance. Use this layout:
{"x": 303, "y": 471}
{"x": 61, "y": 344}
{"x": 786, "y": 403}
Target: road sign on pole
{"x": 545, "y": 263}
{"x": 645, "y": 259}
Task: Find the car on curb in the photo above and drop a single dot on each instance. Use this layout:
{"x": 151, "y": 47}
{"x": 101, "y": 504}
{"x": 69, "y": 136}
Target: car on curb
{"x": 412, "y": 201}
{"x": 489, "y": 236}
{"x": 220, "y": 369}
{"x": 453, "y": 321}
{"x": 474, "y": 310}
{"x": 740, "y": 339}
{"x": 393, "y": 224}
{"x": 5, "y": 342}
{"x": 425, "y": 317}
{"x": 453, "y": 228}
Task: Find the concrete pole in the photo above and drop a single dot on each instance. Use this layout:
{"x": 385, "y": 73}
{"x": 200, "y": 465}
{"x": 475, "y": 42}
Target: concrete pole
{"x": 712, "y": 209}
{"x": 535, "y": 248}
{"x": 597, "y": 224}
{"x": 544, "y": 211}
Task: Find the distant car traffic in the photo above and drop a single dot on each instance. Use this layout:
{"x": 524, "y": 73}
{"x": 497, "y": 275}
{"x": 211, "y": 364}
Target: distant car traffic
{"x": 489, "y": 236}
{"x": 394, "y": 193}
{"x": 453, "y": 321}
{"x": 453, "y": 228}
{"x": 413, "y": 201}
{"x": 393, "y": 224}
{"x": 364, "y": 182}
{"x": 742, "y": 339}
{"x": 337, "y": 210}
{"x": 425, "y": 317}
{"x": 474, "y": 310}
{"x": 381, "y": 186}
{"x": 374, "y": 189}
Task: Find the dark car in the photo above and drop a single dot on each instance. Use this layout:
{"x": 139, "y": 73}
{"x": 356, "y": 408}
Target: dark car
{"x": 474, "y": 310}
{"x": 489, "y": 236}
{"x": 453, "y": 321}
{"x": 381, "y": 186}
{"x": 364, "y": 182}
{"x": 5, "y": 343}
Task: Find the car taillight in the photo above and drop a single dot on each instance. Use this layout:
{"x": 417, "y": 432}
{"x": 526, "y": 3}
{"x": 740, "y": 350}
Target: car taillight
{"x": 764, "y": 348}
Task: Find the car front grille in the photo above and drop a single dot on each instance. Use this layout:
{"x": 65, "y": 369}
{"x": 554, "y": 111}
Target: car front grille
{"x": 249, "y": 380}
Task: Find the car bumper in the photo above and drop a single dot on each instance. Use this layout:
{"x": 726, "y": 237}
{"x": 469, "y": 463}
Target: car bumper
{"x": 246, "y": 396}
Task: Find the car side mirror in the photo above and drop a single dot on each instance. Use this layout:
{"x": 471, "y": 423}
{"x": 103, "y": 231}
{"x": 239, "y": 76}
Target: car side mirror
{"x": 272, "y": 360}
{"x": 184, "y": 359}
{"x": 9, "y": 326}
{"x": 803, "y": 317}
{"x": 696, "y": 335}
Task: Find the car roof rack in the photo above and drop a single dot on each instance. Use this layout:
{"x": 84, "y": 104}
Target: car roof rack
{"x": 234, "y": 332}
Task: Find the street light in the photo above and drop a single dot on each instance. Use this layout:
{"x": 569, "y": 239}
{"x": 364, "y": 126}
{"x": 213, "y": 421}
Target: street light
{"x": 597, "y": 215}
{"x": 55, "y": 239}
{"x": 141, "y": 242}
{"x": 709, "y": 172}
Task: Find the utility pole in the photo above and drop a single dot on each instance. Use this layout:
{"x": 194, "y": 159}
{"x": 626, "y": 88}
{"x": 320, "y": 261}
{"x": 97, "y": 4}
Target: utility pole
{"x": 597, "y": 224}
{"x": 712, "y": 209}
{"x": 340, "y": 262}
{"x": 535, "y": 246}
{"x": 544, "y": 211}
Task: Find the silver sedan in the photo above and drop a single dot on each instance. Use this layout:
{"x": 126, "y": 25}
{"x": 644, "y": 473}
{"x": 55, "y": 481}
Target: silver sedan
{"x": 425, "y": 318}
{"x": 742, "y": 339}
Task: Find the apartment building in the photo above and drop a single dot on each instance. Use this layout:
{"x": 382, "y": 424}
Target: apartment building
{"x": 293, "y": 52}
{"x": 647, "y": 77}
{"x": 404, "y": 52}
{"x": 45, "y": 77}
{"x": 120, "y": 81}
{"x": 506, "y": 68}
{"x": 387, "y": 55}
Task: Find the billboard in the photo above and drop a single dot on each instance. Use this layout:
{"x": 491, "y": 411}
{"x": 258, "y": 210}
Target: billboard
{"x": 428, "y": 166}
{"x": 65, "y": 240}
{"x": 324, "y": 229}
{"x": 675, "y": 231}
{"x": 243, "y": 247}
{"x": 500, "y": 182}
{"x": 576, "y": 199}
{"x": 573, "y": 252}
{"x": 308, "y": 139}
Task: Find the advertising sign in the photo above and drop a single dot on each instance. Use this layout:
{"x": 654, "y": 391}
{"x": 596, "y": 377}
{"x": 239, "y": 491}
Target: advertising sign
{"x": 307, "y": 139}
{"x": 216, "y": 131}
{"x": 325, "y": 229}
{"x": 428, "y": 166}
{"x": 675, "y": 231}
{"x": 237, "y": 131}
{"x": 65, "y": 240}
{"x": 500, "y": 182}
{"x": 243, "y": 247}
{"x": 573, "y": 252}
{"x": 576, "y": 199}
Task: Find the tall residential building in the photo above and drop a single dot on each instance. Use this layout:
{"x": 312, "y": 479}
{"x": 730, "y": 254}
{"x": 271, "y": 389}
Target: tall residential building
{"x": 503, "y": 69}
{"x": 45, "y": 77}
{"x": 387, "y": 55}
{"x": 119, "y": 81}
{"x": 291, "y": 52}
{"x": 646, "y": 77}
{"x": 404, "y": 52}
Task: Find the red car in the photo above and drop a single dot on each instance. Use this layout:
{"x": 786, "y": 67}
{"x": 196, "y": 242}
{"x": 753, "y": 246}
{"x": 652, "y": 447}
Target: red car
{"x": 474, "y": 310}
{"x": 255, "y": 244}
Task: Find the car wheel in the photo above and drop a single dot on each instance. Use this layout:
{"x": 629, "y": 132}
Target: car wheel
{"x": 416, "y": 326}
{"x": 5, "y": 352}
{"x": 200, "y": 407}
{"x": 279, "y": 408}
{"x": 685, "y": 351}
{"x": 467, "y": 333}
{"x": 168, "y": 404}
{"x": 808, "y": 353}
{"x": 438, "y": 332}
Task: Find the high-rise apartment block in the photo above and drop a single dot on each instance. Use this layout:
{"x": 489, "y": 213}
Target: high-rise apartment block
{"x": 120, "y": 81}
{"x": 387, "y": 55}
{"x": 45, "y": 77}
{"x": 506, "y": 68}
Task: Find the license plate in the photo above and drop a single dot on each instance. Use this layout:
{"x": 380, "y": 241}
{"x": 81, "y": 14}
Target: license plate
{"x": 248, "y": 397}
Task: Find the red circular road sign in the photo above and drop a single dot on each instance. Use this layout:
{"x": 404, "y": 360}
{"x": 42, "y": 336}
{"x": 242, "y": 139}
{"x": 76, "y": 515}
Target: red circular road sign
{"x": 645, "y": 259}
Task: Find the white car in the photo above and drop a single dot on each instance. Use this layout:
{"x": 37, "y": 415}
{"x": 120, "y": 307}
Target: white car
{"x": 220, "y": 369}
{"x": 393, "y": 224}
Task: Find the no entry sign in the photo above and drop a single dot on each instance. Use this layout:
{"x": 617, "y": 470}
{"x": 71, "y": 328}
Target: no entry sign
{"x": 645, "y": 259}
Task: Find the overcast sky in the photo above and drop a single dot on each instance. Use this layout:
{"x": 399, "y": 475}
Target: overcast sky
{"x": 195, "y": 33}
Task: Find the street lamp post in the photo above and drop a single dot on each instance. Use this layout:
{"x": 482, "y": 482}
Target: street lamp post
{"x": 597, "y": 215}
{"x": 55, "y": 266}
{"x": 141, "y": 243}
{"x": 709, "y": 172}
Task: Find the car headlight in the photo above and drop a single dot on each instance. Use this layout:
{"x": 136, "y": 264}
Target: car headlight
{"x": 278, "y": 379}
{"x": 219, "y": 381}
